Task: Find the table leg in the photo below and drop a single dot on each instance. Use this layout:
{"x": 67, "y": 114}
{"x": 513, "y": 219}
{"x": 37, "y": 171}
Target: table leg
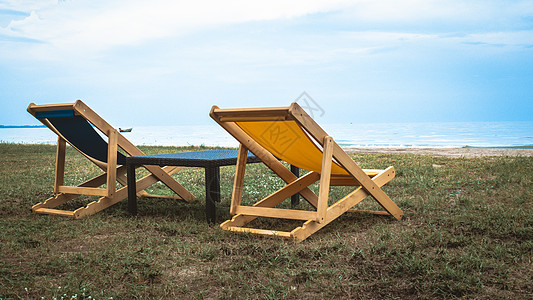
{"x": 212, "y": 192}
{"x": 295, "y": 199}
{"x": 132, "y": 188}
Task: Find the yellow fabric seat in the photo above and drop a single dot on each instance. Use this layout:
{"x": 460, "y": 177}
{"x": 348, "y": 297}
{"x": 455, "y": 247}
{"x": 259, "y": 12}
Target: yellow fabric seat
{"x": 287, "y": 141}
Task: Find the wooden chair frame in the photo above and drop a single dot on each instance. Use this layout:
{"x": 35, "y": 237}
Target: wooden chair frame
{"x": 112, "y": 172}
{"x": 368, "y": 184}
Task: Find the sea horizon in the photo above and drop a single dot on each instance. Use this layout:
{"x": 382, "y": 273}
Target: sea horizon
{"x": 377, "y": 135}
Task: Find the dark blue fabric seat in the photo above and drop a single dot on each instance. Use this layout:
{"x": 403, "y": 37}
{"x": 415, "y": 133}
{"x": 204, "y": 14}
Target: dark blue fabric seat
{"x": 80, "y": 134}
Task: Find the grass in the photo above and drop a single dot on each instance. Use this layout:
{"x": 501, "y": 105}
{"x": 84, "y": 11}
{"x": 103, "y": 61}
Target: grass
{"x": 467, "y": 232}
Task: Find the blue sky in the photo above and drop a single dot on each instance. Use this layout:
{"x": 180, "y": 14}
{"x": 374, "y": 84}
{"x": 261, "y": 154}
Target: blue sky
{"x": 168, "y": 62}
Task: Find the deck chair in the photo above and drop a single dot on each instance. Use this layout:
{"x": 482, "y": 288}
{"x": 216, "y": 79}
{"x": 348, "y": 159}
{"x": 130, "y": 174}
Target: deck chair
{"x": 291, "y": 135}
{"x": 75, "y": 124}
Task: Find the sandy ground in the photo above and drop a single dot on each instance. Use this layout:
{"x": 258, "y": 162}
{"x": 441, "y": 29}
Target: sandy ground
{"x": 448, "y": 152}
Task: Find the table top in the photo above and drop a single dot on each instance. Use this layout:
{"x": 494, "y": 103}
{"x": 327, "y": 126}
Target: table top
{"x": 205, "y": 158}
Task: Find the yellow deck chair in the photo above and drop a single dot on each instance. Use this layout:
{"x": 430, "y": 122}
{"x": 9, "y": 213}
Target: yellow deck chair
{"x": 290, "y": 134}
{"x": 75, "y": 124}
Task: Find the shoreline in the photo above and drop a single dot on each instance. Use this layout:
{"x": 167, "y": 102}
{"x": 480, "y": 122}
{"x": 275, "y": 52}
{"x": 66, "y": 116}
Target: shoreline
{"x": 466, "y": 152}
{"x": 446, "y": 152}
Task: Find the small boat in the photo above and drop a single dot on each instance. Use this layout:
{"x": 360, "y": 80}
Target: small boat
{"x": 125, "y": 129}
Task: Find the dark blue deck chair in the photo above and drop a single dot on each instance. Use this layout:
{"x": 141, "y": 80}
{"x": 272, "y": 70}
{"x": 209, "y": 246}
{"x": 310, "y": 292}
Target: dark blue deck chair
{"x": 76, "y": 124}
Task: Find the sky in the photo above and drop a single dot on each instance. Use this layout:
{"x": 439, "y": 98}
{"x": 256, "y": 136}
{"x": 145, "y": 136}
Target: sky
{"x": 158, "y": 62}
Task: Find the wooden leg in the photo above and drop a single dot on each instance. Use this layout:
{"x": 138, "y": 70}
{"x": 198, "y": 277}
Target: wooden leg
{"x": 112, "y": 163}
{"x": 295, "y": 199}
{"x": 60, "y": 164}
{"x": 325, "y": 177}
{"x": 212, "y": 192}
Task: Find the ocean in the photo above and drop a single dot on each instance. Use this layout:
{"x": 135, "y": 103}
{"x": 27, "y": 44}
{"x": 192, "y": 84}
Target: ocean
{"x": 391, "y": 135}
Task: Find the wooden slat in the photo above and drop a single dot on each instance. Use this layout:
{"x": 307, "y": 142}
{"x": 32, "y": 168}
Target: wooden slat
{"x": 269, "y": 212}
{"x": 60, "y": 164}
{"x": 253, "y": 119}
{"x": 131, "y": 149}
{"x": 90, "y": 115}
{"x": 374, "y": 212}
{"x": 162, "y": 196}
{"x": 112, "y": 163}
{"x": 238, "y": 183}
{"x": 251, "y": 110}
{"x": 260, "y": 231}
{"x": 121, "y": 178}
{"x": 54, "y": 201}
{"x": 325, "y": 175}
{"x": 372, "y": 172}
{"x": 49, "y": 211}
{"x": 34, "y": 108}
{"x": 82, "y": 191}
{"x": 251, "y": 114}
{"x": 349, "y": 180}
{"x": 344, "y": 182}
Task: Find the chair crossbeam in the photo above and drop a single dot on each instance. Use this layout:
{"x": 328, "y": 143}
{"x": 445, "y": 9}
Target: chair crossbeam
{"x": 280, "y": 213}
{"x": 284, "y": 234}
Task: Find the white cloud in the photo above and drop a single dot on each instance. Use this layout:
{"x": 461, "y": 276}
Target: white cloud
{"x": 27, "y": 5}
{"x": 517, "y": 38}
{"x": 428, "y": 12}
{"x": 97, "y": 25}
{"x": 88, "y": 27}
